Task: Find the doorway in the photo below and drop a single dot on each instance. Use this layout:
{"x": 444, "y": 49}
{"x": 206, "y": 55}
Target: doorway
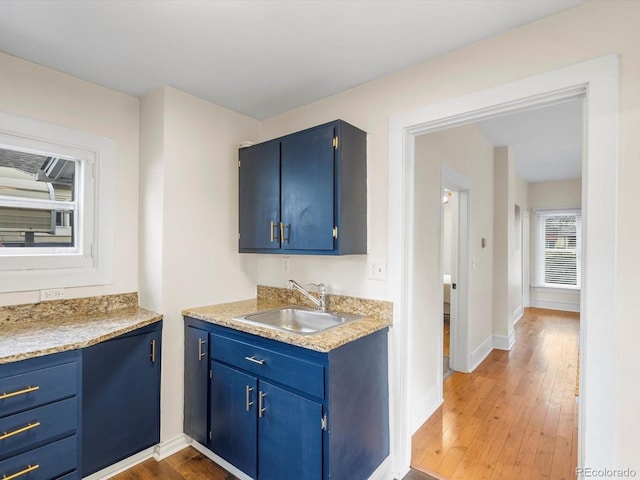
{"x": 597, "y": 82}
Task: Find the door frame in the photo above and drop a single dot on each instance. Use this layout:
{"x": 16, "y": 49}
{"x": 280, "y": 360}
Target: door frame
{"x": 596, "y": 81}
{"x": 459, "y": 358}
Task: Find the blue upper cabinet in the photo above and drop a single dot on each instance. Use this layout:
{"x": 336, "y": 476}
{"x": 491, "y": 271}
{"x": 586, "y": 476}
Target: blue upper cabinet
{"x": 259, "y": 199}
{"x": 305, "y": 193}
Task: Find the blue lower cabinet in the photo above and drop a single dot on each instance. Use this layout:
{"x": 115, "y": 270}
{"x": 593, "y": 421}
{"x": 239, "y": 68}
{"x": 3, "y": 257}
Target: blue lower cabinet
{"x": 233, "y": 417}
{"x": 121, "y": 397}
{"x": 289, "y": 435}
{"x": 45, "y": 463}
{"x": 196, "y": 383}
{"x": 278, "y": 411}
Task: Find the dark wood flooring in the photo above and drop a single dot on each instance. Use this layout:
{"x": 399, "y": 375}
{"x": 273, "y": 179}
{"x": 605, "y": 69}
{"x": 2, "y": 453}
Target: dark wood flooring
{"x": 189, "y": 464}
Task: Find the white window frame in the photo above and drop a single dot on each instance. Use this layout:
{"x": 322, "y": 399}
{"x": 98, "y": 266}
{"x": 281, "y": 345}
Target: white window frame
{"x": 539, "y": 247}
{"x": 90, "y": 261}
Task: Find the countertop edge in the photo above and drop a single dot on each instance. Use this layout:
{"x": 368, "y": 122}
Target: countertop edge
{"x": 324, "y": 342}
{"x": 128, "y": 324}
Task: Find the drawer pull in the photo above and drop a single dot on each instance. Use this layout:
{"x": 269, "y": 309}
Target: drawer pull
{"x": 153, "y": 351}
{"x": 30, "y": 468}
{"x": 261, "y": 408}
{"x": 249, "y": 402}
{"x": 201, "y": 353}
{"x": 19, "y": 392}
{"x": 254, "y": 360}
{"x": 20, "y": 430}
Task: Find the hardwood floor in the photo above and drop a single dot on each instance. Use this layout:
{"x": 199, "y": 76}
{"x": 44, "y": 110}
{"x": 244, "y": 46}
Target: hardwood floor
{"x": 515, "y": 416}
{"x": 189, "y": 464}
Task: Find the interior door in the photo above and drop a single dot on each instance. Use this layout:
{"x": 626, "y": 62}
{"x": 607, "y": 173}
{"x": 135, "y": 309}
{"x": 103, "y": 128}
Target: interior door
{"x": 259, "y": 196}
{"x": 307, "y": 189}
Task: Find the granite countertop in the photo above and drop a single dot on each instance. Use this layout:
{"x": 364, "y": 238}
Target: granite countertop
{"x": 37, "y": 337}
{"x": 325, "y": 341}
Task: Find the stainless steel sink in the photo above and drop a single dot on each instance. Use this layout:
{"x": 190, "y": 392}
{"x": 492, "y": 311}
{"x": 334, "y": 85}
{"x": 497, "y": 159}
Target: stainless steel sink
{"x": 300, "y": 320}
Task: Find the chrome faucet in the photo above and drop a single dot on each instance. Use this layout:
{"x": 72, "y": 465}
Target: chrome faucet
{"x": 320, "y": 302}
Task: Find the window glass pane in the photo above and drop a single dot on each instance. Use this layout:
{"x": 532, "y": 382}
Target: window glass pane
{"x": 561, "y": 254}
{"x": 30, "y": 187}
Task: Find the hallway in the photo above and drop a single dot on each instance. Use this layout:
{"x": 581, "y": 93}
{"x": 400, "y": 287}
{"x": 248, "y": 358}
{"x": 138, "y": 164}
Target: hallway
{"x": 516, "y": 415}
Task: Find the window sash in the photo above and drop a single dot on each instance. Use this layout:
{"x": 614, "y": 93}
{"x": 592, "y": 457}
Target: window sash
{"x": 558, "y": 253}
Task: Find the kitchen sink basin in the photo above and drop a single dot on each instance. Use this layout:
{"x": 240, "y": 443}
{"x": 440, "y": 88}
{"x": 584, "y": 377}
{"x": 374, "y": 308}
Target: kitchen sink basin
{"x": 299, "y": 320}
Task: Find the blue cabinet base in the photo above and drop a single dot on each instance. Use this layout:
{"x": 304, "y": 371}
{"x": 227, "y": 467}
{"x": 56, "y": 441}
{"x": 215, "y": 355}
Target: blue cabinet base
{"x": 263, "y": 418}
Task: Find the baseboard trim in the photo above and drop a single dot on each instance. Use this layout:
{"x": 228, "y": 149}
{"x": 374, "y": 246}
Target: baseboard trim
{"x": 517, "y": 314}
{"x": 480, "y": 353}
{"x": 424, "y": 408}
{"x": 122, "y": 465}
{"x": 384, "y": 470}
{"x": 564, "y": 306}
{"x": 223, "y": 463}
{"x": 165, "y": 449}
{"x": 504, "y": 342}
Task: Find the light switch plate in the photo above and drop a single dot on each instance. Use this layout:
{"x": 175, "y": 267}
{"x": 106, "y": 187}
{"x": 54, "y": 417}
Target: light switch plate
{"x": 53, "y": 294}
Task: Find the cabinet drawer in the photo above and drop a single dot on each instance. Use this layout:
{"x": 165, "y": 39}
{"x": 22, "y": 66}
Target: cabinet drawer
{"x": 44, "y": 463}
{"x": 277, "y": 366}
{"x": 19, "y": 431}
{"x": 32, "y": 389}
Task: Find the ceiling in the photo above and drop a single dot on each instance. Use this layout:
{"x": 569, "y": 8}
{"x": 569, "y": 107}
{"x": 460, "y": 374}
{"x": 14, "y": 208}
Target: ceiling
{"x": 546, "y": 143}
{"x": 259, "y": 58}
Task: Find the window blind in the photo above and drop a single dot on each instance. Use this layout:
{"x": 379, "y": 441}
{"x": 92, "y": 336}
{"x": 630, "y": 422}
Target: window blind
{"x": 558, "y": 248}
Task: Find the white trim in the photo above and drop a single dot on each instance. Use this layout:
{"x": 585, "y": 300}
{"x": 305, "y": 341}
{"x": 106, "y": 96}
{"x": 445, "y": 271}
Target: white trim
{"x": 91, "y": 261}
{"x": 517, "y": 314}
{"x": 480, "y": 353}
{"x": 555, "y": 305}
{"x": 174, "y": 445}
{"x": 220, "y": 461}
{"x": 597, "y": 81}
{"x": 384, "y": 471}
{"x": 424, "y": 407}
{"x": 122, "y": 465}
{"x": 504, "y": 342}
{"x": 459, "y": 358}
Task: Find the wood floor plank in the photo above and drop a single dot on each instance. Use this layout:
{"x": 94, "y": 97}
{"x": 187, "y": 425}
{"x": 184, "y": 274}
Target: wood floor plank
{"x": 516, "y": 415}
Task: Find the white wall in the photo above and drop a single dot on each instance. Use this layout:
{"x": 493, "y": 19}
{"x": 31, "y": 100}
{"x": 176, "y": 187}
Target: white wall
{"x": 563, "y": 39}
{"x": 467, "y": 151}
{"x": 558, "y": 194}
{"x": 504, "y": 175}
{"x": 519, "y": 292}
{"x": 189, "y": 230}
{"x": 46, "y": 95}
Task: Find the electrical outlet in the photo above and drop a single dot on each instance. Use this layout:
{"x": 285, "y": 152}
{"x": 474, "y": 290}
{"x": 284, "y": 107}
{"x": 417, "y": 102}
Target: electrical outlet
{"x": 54, "y": 294}
{"x": 377, "y": 270}
{"x": 285, "y": 264}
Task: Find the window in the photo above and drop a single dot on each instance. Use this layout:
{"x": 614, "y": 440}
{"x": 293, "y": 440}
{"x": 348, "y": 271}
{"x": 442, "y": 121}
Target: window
{"x": 558, "y": 248}
{"x": 56, "y": 201}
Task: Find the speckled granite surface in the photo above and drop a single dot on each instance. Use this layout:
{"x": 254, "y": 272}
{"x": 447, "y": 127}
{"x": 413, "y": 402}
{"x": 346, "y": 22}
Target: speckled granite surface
{"x": 69, "y": 307}
{"x": 59, "y": 330}
{"x": 377, "y": 315}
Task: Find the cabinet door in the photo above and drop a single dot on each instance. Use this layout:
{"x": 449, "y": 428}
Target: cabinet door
{"x": 121, "y": 398}
{"x": 289, "y": 435}
{"x": 259, "y": 196}
{"x": 196, "y": 379}
{"x": 233, "y": 417}
{"x": 307, "y": 189}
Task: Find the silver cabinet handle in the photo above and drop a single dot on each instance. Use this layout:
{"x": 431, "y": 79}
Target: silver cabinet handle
{"x": 261, "y": 408}
{"x": 254, "y": 360}
{"x": 249, "y": 402}
{"x": 201, "y": 353}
